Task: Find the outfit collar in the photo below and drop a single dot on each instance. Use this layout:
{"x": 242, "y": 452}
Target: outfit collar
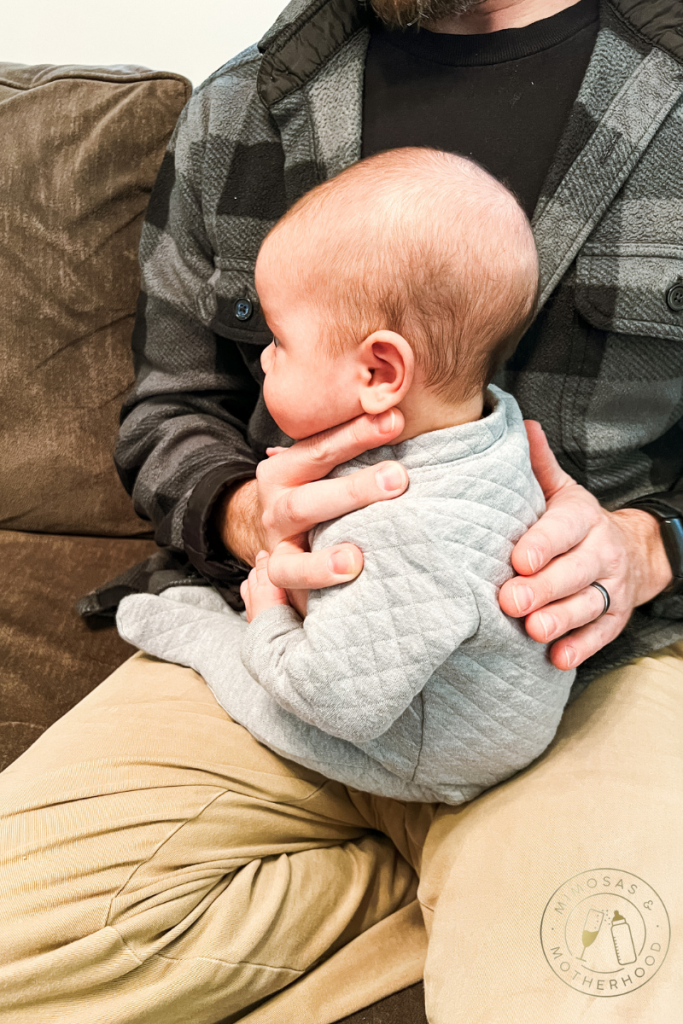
{"x": 440, "y": 447}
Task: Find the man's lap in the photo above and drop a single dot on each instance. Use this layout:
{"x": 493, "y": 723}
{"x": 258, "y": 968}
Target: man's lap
{"x": 146, "y": 836}
{"x": 147, "y": 810}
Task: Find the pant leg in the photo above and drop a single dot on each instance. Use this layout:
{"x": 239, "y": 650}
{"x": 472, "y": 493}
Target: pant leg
{"x": 160, "y": 865}
{"x": 513, "y": 884}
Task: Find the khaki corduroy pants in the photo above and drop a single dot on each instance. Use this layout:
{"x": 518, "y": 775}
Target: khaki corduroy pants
{"x": 158, "y": 865}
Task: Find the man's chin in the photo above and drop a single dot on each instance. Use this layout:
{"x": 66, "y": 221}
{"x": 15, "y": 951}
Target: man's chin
{"x": 402, "y": 13}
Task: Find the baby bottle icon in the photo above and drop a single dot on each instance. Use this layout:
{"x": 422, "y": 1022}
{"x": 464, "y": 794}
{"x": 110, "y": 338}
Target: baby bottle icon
{"x": 623, "y": 940}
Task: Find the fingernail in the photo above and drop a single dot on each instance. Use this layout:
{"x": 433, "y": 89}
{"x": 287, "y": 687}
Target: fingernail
{"x": 385, "y": 421}
{"x": 523, "y": 598}
{"x": 534, "y": 559}
{"x": 390, "y": 478}
{"x": 570, "y": 657}
{"x": 548, "y": 624}
{"x": 341, "y": 563}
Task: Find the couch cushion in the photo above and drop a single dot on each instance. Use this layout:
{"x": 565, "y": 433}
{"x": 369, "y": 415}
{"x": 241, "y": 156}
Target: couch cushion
{"x": 405, "y": 1007}
{"x": 49, "y": 658}
{"x": 80, "y": 151}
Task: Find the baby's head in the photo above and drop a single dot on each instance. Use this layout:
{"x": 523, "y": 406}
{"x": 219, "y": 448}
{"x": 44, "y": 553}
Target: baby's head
{"x": 405, "y": 281}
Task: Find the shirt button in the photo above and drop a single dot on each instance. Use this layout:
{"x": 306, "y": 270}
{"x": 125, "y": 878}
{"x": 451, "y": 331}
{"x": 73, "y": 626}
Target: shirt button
{"x": 674, "y": 297}
{"x": 244, "y": 308}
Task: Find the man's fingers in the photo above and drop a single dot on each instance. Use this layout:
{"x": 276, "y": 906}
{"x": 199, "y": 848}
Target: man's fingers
{"x": 301, "y": 508}
{"x": 294, "y": 495}
{"x": 312, "y": 570}
{"x": 560, "y": 617}
{"x": 314, "y": 457}
{"x": 563, "y": 577}
{"x": 561, "y": 528}
{"x": 557, "y": 531}
{"x": 573, "y": 649}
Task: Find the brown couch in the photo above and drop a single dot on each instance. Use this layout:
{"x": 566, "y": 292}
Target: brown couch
{"x": 80, "y": 151}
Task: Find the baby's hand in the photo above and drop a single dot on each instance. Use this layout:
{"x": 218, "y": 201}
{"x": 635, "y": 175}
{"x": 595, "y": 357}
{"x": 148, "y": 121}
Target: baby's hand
{"x": 258, "y": 593}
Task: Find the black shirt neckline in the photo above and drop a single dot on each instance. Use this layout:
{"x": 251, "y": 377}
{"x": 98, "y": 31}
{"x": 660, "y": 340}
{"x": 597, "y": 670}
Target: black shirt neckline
{"x": 494, "y": 47}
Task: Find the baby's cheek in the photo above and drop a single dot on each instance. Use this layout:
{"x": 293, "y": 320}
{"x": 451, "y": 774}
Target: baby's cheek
{"x": 275, "y": 395}
{"x": 305, "y": 405}
{"x": 315, "y": 414}
{"x": 286, "y": 407}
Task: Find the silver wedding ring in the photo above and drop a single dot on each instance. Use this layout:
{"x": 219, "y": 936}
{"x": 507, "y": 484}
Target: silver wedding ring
{"x": 605, "y": 597}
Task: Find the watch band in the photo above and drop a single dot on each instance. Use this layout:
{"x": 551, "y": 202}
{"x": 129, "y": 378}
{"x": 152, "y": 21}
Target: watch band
{"x": 668, "y": 509}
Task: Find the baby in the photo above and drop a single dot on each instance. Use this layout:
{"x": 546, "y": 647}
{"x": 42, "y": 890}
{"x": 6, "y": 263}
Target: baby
{"x": 403, "y": 283}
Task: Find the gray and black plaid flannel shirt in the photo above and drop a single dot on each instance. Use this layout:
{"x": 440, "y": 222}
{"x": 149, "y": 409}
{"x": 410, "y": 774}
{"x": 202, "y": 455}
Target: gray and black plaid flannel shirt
{"x": 601, "y": 367}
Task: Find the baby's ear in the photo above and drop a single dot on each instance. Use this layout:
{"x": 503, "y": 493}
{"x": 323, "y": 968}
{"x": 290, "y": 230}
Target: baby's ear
{"x": 389, "y": 368}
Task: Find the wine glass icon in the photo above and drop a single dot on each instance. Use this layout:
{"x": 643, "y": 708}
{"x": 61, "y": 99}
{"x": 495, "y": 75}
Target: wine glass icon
{"x": 591, "y": 929}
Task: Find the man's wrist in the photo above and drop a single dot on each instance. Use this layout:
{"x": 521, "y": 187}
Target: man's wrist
{"x": 200, "y": 539}
{"x": 237, "y": 521}
{"x": 667, "y": 508}
{"x": 649, "y": 559}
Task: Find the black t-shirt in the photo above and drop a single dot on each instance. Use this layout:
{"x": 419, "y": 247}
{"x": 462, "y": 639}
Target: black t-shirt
{"x": 501, "y": 98}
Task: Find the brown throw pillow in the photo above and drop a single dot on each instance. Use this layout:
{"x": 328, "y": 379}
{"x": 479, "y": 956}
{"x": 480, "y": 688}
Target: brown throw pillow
{"x": 80, "y": 150}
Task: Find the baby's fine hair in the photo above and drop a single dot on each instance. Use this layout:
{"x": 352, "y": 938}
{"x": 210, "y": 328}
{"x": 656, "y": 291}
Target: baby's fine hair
{"x": 423, "y": 243}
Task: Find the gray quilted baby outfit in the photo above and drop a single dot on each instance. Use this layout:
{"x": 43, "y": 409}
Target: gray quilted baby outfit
{"x": 409, "y": 681}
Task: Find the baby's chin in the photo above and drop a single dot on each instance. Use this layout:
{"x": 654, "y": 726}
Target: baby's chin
{"x": 299, "y": 429}
{"x": 302, "y": 423}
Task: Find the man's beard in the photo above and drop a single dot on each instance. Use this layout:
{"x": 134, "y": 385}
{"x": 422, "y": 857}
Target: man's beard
{"x": 401, "y": 13}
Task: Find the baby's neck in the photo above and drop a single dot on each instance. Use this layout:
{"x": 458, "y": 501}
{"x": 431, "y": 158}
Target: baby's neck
{"x": 424, "y": 412}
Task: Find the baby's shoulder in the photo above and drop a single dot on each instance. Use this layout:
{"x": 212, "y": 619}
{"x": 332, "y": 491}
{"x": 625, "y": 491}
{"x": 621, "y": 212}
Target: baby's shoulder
{"x": 484, "y": 484}
{"x": 465, "y": 484}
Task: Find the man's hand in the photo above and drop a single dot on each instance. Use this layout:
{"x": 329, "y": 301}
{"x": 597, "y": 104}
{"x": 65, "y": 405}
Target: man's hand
{"x": 289, "y": 497}
{"x": 258, "y": 593}
{"x": 574, "y": 544}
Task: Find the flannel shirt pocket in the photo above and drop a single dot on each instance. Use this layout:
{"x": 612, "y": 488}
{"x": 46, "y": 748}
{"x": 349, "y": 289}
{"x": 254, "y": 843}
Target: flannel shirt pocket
{"x": 632, "y": 289}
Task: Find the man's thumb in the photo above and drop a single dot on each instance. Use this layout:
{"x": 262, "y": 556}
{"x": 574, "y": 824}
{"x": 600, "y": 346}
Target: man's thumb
{"x": 547, "y": 470}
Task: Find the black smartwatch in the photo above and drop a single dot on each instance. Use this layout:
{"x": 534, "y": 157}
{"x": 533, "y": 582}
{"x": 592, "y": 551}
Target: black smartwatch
{"x": 668, "y": 509}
